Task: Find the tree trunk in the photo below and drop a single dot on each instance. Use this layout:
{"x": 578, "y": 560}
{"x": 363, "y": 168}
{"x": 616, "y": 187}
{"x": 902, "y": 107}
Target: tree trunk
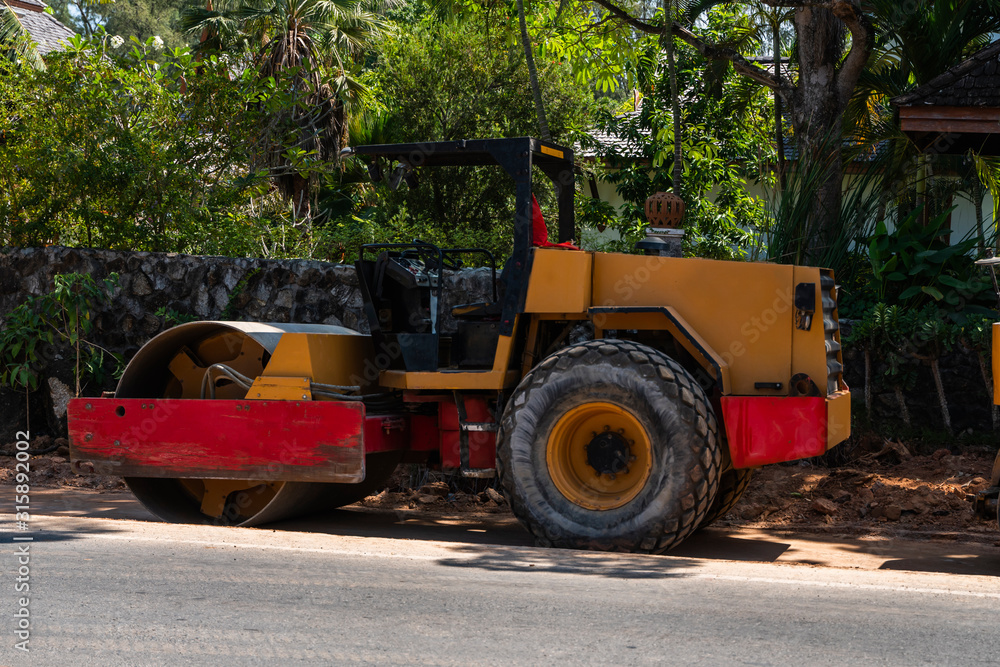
{"x": 903, "y": 410}
{"x": 536, "y": 90}
{"x": 779, "y": 128}
{"x": 936, "y": 372}
{"x": 301, "y": 200}
{"x": 667, "y": 39}
{"x": 817, "y": 119}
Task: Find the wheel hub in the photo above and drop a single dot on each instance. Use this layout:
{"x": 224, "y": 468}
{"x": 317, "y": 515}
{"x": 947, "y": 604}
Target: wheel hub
{"x": 608, "y": 453}
{"x": 599, "y": 455}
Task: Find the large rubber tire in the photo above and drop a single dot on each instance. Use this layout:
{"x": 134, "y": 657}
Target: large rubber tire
{"x": 654, "y": 393}
{"x": 732, "y": 484}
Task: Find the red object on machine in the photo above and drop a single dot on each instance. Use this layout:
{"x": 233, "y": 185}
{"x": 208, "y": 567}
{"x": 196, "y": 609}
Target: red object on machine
{"x": 482, "y": 444}
{"x": 540, "y": 233}
{"x": 766, "y": 429}
{"x": 304, "y": 441}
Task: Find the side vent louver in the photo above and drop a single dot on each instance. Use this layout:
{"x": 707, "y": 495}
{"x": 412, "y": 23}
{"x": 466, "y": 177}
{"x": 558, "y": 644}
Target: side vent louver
{"x": 831, "y": 331}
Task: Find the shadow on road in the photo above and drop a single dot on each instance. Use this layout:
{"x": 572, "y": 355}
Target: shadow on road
{"x": 716, "y": 544}
{"x": 567, "y": 561}
{"x": 980, "y": 564}
{"x": 502, "y": 530}
{"x": 359, "y": 522}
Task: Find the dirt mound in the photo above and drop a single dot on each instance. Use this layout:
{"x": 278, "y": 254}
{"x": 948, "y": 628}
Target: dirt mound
{"x": 49, "y": 466}
{"x": 889, "y": 492}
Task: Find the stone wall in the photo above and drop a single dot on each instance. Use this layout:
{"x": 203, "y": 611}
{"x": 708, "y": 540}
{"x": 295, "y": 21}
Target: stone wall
{"x": 203, "y": 288}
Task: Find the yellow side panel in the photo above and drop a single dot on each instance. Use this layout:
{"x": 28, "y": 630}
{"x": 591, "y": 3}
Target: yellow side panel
{"x": 743, "y": 310}
{"x": 280, "y": 389}
{"x": 809, "y": 347}
{"x": 996, "y": 363}
{"x": 560, "y": 281}
{"x": 450, "y": 380}
{"x": 658, "y": 321}
{"x": 325, "y": 358}
{"x": 838, "y": 418}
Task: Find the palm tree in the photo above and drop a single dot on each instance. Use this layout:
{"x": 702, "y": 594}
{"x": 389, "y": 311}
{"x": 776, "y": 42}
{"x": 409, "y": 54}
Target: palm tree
{"x": 16, "y": 44}
{"x": 309, "y": 46}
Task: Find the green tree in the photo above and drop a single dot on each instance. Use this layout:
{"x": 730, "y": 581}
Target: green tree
{"x": 309, "y": 44}
{"x": 16, "y": 45}
{"x": 725, "y": 125}
{"x": 459, "y": 80}
{"x": 901, "y": 61}
{"x": 84, "y": 16}
{"x": 130, "y": 154}
{"x": 143, "y": 19}
{"x": 833, "y": 42}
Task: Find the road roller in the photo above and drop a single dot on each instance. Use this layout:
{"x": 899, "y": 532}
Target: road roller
{"x": 620, "y": 401}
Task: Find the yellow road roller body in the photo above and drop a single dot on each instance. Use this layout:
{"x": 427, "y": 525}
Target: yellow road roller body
{"x": 621, "y": 400}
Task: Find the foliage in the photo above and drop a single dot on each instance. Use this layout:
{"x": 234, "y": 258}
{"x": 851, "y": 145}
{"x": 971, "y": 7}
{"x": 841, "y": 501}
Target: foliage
{"x": 85, "y": 17}
{"x": 914, "y": 265}
{"x": 238, "y": 290}
{"x": 442, "y": 81}
{"x": 16, "y": 45}
{"x": 914, "y": 44}
{"x": 134, "y": 154}
{"x": 977, "y": 334}
{"x": 144, "y": 19}
{"x": 63, "y": 316}
{"x": 310, "y": 46}
{"x": 172, "y": 318}
{"x": 888, "y": 333}
{"x": 724, "y": 127}
{"x": 790, "y": 234}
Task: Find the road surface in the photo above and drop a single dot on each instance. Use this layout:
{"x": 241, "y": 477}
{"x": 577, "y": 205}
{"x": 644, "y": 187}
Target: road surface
{"x": 362, "y": 589}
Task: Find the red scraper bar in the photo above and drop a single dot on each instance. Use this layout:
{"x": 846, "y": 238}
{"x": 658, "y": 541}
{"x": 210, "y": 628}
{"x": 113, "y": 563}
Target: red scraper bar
{"x": 308, "y": 441}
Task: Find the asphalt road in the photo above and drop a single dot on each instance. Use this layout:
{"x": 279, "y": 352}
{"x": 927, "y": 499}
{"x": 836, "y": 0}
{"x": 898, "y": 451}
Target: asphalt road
{"x": 113, "y": 591}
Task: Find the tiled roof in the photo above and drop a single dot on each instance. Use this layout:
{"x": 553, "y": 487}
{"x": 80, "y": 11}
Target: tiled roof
{"x": 974, "y": 82}
{"x": 43, "y": 28}
{"x": 608, "y": 144}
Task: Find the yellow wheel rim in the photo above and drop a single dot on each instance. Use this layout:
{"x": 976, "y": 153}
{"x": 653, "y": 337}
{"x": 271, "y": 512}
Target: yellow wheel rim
{"x": 599, "y": 456}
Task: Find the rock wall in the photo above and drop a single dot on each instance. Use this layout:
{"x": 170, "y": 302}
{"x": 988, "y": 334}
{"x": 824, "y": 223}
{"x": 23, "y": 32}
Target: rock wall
{"x": 154, "y": 289}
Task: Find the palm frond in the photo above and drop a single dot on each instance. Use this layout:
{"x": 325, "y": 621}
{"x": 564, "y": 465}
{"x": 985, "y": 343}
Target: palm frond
{"x": 15, "y": 42}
